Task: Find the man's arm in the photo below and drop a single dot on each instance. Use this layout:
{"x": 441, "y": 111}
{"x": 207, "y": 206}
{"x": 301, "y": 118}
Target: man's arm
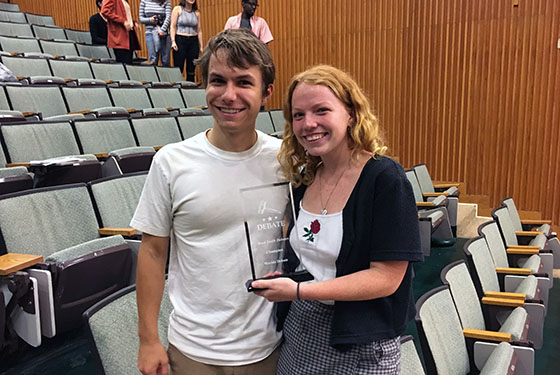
{"x": 150, "y": 280}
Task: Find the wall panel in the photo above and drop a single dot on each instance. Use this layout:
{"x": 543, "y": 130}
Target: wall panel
{"x": 469, "y": 87}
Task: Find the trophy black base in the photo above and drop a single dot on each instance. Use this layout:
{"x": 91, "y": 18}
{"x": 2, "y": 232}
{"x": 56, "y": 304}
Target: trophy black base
{"x": 298, "y": 277}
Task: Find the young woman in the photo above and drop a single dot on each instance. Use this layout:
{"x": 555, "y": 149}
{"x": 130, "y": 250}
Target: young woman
{"x": 156, "y": 15}
{"x": 356, "y": 232}
{"x": 121, "y": 35}
{"x": 186, "y": 36}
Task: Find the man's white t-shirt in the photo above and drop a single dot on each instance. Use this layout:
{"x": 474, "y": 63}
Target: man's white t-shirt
{"x": 192, "y": 195}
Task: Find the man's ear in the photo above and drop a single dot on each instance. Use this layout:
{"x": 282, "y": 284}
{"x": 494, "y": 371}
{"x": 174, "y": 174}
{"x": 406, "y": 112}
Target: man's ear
{"x": 267, "y": 94}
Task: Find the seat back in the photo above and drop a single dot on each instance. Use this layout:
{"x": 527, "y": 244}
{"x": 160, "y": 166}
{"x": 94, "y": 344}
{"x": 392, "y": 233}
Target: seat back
{"x": 86, "y": 98}
{"x": 481, "y": 265}
{"x": 99, "y": 136}
{"x": 151, "y": 131}
{"x": 78, "y": 36}
{"x": 168, "y": 97}
{"x": 26, "y": 66}
{"x": 415, "y": 186}
{"x": 424, "y": 178}
{"x": 501, "y": 215}
{"x": 464, "y": 294}
{"x": 194, "y": 97}
{"x": 513, "y": 213}
{"x": 142, "y": 73}
{"x": 133, "y": 97}
{"x": 410, "y": 361}
{"x": 278, "y": 120}
{"x": 93, "y": 51}
{"x": 9, "y": 6}
{"x": 11, "y": 28}
{"x": 169, "y": 74}
{"x": 264, "y": 123}
{"x": 440, "y": 332}
{"x": 45, "y": 99}
{"x": 192, "y": 125}
{"x": 117, "y": 353}
{"x": 12, "y": 16}
{"x": 4, "y": 105}
{"x": 39, "y": 19}
{"x": 48, "y": 32}
{"x": 19, "y": 45}
{"x": 39, "y": 140}
{"x": 491, "y": 234}
{"x": 71, "y": 69}
{"x": 109, "y": 71}
{"x": 116, "y": 198}
{"x": 46, "y": 220}
{"x": 59, "y": 48}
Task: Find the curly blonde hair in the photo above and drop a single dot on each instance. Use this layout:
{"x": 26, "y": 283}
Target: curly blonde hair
{"x": 364, "y": 134}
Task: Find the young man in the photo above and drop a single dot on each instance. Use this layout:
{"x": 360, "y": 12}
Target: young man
{"x": 248, "y": 20}
{"x": 191, "y": 201}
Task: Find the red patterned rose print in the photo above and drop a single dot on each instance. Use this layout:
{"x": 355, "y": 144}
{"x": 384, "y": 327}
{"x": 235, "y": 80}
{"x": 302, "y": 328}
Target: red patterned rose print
{"x": 314, "y": 228}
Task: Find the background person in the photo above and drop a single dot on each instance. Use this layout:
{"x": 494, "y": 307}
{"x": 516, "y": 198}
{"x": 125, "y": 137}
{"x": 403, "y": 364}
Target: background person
{"x": 247, "y": 20}
{"x": 186, "y": 36}
{"x": 98, "y": 27}
{"x": 357, "y": 231}
{"x": 156, "y": 15}
{"x": 121, "y": 35}
{"x": 191, "y": 202}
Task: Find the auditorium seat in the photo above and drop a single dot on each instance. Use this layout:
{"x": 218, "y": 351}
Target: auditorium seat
{"x": 20, "y": 44}
{"x": 156, "y": 131}
{"x": 71, "y": 69}
{"x": 24, "y": 67}
{"x": 93, "y": 51}
{"x": 39, "y": 99}
{"x": 193, "y": 124}
{"x": 14, "y": 178}
{"x": 502, "y": 312}
{"x": 484, "y": 274}
{"x": 173, "y": 75}
{"x": 78, "y": 36}
{"x": 410, "y": 361}
{"x": 142, "y": 73}
{"x": 278, "y": 120}
{"x": 85, "y": 99}
{"x": 113, "y": 331}
{"x": 100, "y": 136}
{"x": 167, "y": 97}
{"x": 12, "y": 7}
{"x": 12, "y": 16}
{"x": 130, "y": 97}
{"x": 60, "y": 225}
{"x": 15, "y": 29}
{"x": 49, "y": 32}
{"x": 444, "y": 342}
{"x": 59, "y": 47}
{"x": 264, "y": 123}
{"x": 128, "y": 160}
{"x": 194, "y": 97}
{"x": 39, "y": 19}
{"x": 109, "y": 71}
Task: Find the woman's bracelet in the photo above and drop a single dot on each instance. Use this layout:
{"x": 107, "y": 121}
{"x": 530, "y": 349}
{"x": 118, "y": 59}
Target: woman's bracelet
{"x": 297, "y": 292}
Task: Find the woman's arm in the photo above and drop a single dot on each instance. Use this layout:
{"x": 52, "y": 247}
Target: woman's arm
{"x": 109, "y": 11}
{"x": 199, "y": 33}
{"x": 381, "y": 280}
{"x": 165, "y": 26}
{"x": 173, "y": 27}
{"x": 142, "y": 14}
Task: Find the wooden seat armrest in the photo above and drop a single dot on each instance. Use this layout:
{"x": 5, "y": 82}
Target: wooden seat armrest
{"x": 424, "y": 204}
{"x": 20, "y": 164}
{"x": 527, "y": 233}
{"x": 109, "y": 81}
{"x": 157, "y": 148}
{"x": 101, "y": 155}
{"x": 536, "y": 222}
{"x": 526, "y": 247}
{"x": 430, "y": 195}
{"x": 29, "y": 114}
{"x": 445, "y": 185}
{"x": 115, "y": 231}
{"x": 503, "y": 302}
{"x": 13, "y": 262}
{"x": 83, "y": 112}
{"x": 132, "y": 110}
{"x": 510, "y": 295}
{"x": 486, "y": 335}
{"x": 519, "y": 251}
{"x": 513, "y": 271}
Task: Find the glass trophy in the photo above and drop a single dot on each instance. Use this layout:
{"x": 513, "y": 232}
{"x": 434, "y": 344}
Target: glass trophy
{"x": 268, "y": 211}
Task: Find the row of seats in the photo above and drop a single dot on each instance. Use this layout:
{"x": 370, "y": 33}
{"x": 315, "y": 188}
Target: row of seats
{"x": 13, "y": 7}
{"x": 43, "y": 32}
{"x": 83, "y": 71}
{"x": 81, "y": 232}
{"x": 54, "y": 100}
{"x": 490, "y": 313}
{"x": 12, "y": 15}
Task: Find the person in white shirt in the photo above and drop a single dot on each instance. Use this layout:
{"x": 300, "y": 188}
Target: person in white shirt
{"x": 191, "y": 202}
